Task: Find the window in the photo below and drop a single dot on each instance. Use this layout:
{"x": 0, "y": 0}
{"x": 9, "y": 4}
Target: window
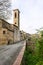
{"x": 15, "y": 22}
{"x": 15, "y": 15}
{"x": 4, "y": 32}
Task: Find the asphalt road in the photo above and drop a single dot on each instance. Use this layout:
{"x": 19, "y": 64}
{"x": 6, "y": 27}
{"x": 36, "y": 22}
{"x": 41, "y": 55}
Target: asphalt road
{"x": 9, "y": 53}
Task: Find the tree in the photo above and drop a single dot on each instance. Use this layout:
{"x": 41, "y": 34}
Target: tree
{"x": 41, "y": 33}
{"x": 5, "y": 9}
{"x": 41, "y": 46}
{"x": 40, "y": 63}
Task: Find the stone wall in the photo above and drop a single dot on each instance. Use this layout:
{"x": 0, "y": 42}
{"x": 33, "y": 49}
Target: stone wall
{"x": 10, "y": 36}
{"x": 6, "y": 36}
{"x": 16, "y": 34}
{"x": 3, "y": 38}
{"x": 8, "y": 33}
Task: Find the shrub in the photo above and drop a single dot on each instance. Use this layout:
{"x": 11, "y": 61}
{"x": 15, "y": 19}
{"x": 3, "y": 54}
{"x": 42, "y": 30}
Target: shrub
{"x": 40, "y": 63}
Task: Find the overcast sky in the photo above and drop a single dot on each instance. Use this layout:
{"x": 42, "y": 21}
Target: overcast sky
{"x": 31, "y": 14}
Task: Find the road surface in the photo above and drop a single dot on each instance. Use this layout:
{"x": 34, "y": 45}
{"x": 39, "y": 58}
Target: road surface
{"x": 9, "y": 53}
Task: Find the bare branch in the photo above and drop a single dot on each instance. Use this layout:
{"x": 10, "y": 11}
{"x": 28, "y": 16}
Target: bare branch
{"x": 5, "y": 9}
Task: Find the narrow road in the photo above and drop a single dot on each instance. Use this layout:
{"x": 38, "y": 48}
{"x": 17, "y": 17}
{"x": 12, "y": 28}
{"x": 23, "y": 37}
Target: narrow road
{"x": 9, "y": 53}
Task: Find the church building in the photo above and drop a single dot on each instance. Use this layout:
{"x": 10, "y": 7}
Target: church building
{"x": 10, "y": 33}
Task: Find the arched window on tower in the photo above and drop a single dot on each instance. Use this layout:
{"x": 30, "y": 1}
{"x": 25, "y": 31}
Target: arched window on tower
{"x": 15, "y": 15}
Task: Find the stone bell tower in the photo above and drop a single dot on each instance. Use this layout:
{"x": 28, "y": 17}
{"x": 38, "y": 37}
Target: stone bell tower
{"x": 16, "y": 17}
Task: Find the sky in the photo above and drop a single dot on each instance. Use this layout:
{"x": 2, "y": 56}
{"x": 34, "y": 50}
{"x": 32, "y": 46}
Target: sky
{"x": 31, "y": 14}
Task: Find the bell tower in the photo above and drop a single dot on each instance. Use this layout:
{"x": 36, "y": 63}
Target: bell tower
{"x": 16, "y": 17}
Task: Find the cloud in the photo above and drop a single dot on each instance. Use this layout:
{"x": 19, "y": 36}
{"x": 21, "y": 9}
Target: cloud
{"x": 31, "y": 16}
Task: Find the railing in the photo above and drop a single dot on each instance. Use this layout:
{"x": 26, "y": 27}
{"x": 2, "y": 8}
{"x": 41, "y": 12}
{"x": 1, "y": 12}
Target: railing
{"x": 20, "y": 56}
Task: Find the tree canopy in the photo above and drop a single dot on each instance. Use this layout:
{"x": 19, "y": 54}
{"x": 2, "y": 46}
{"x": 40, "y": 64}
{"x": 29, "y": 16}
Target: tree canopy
{"x": 5, "y": 9}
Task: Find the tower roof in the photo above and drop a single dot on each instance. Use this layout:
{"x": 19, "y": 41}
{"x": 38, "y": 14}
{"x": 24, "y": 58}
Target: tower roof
{"x": 16, "y": 10}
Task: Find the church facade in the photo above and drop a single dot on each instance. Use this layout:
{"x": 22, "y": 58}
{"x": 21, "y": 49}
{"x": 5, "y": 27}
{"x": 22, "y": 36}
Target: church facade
{"x": 10, "y": 33}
